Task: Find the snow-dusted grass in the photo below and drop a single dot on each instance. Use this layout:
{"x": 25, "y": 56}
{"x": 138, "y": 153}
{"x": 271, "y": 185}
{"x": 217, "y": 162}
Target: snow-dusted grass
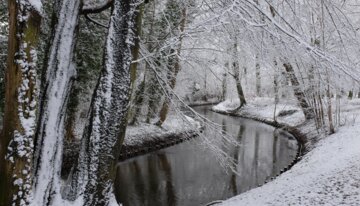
{"x": 327, "y": 175}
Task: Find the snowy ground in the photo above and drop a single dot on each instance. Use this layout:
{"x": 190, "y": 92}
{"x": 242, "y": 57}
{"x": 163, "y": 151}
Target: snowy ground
{"x": 202, "y": 102}
{"x": 264, "y": 108}
{"x": 174, "y": 124}
{"x": 327, "y": 175}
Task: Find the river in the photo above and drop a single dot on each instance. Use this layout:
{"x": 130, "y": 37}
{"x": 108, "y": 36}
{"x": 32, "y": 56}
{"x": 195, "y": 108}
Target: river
{"x": 192, "y": 173}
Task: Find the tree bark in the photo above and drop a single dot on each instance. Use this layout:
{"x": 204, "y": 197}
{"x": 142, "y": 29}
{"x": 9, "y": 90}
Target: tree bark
{"x": 299, "y": 94}
{"x": 58, "y": 78}
{"x": 236, "y": 75}
{"x": 276, "y": 87}
{"x": 258, "y": 77}
{"x": 330, "y": 117}
{"x": 223, "y": 87}
{"x": 138, "y": 100}
{"x": 105, "y": 130}
{"x": 136, "y": 94}
{"x": 16, "y": 142}
{"x": 135, "y": 49}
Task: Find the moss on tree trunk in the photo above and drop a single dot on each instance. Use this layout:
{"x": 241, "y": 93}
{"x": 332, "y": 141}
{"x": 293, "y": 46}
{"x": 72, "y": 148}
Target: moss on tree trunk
{"x": 16, "y": 142}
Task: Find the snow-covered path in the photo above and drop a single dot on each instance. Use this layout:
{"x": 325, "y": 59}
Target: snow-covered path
{"x": 328, "y": 175}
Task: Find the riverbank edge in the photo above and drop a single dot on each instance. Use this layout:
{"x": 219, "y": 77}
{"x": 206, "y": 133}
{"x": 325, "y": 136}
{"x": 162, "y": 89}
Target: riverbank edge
{"x": 195, "y": 104}
{"x": 164, "y": 141}
{"x": 148, "y": 146}
{"x": 297, "y": 131}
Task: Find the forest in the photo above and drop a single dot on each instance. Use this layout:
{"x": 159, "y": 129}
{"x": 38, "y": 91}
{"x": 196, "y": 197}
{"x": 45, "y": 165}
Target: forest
{"x": 179, "y": 102}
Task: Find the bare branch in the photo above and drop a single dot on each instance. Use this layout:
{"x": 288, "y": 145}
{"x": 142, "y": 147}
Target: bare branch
{"x": 97, "y": 8}
{"x": 94, "y": 21}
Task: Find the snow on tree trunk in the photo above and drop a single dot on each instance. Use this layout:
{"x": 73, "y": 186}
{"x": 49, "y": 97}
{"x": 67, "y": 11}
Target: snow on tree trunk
{"x": 104, "y": 134}
{"x": 16, "y": 142}
{"x": 59, "y": 73}
{"x": 299, "y": 94}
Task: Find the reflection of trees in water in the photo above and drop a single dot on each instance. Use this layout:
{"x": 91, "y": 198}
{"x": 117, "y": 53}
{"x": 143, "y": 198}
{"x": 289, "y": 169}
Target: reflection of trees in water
{"x": 153, "y": 182}
{"x": 274, "y": 152}
{"x": 169, "y": 187}
{"x": 256, "y": 157}
{"x": 160, "y": 179}
{"x": 129, "y": 192}
{"x": 224, "y": 131}
{"x": 233, "y": 183}
{"x": 140, "y": 183}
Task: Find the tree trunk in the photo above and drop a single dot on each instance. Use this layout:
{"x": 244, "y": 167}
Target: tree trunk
{"x": 136, "y": 94}
{"x": 224, "y": 88}
{"x": 236, "y": 75}
{"x": 276, "y": 87}
{"x": 330, "y": 117}
{"x": 21, "y": 96}
{"x": 105, "y": 130}
{"x": 153, "y": 88}
{"x": 151, "y": 85}
{"x": 136, "y": 47}
{"x": 299, "y": 94}
{"x": 240, "y": 92}
{"x": 138, "y": 100}
{"x": 174, "y": 71}
{"x": 58, "y": 79}
{"x": 258, "y": 78}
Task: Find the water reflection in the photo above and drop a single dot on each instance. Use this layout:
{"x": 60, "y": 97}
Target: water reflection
{"x": 188, "y": 174}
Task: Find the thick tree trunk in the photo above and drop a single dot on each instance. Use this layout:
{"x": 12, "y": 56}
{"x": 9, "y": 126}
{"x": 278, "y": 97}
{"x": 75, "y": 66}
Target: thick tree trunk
{"x": 16, "y": 142}
{"x": 299, "y": 94}
{"x": 105, "y": 131}
{"x": 59, "y": 74}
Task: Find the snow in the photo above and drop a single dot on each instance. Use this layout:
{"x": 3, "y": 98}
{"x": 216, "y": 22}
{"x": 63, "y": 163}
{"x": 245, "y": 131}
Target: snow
{"x": 36, "y": 4}
{"x": 59, "y": 73}
{"x": 264, "y": 108}
{"x": 327, "y": 175}
{"x": 174, "y": 124}
{"x": 108, "y": 111}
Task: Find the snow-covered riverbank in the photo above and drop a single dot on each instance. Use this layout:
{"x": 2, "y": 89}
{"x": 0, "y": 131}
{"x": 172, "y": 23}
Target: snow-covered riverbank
{"x": 144, "y": 138}
{"x": 327, "y": 175}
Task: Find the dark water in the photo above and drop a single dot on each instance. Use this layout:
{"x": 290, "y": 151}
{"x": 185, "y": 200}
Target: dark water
{"x": 192, "y": 174}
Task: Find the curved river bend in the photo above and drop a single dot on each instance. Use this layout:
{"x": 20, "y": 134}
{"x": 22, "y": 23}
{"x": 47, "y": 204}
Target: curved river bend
{"x": 189, "y": 174}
